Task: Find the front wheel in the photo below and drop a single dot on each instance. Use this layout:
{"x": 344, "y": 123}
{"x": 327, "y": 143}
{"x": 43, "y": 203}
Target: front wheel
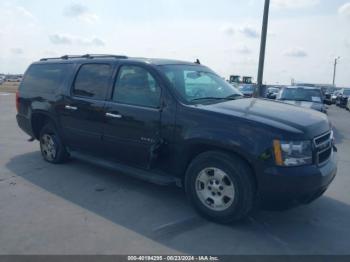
{"x": 220, "y": 186}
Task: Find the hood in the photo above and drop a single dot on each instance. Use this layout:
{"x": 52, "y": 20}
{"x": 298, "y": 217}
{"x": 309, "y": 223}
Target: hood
{"x": 275, "y": 114}
{"x": 311, "y": 105}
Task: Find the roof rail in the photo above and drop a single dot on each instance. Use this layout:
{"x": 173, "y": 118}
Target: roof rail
{"x": 87, "y": 56}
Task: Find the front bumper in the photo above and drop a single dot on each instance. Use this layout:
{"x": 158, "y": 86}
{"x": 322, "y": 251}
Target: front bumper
{"x": 289, "y": 186}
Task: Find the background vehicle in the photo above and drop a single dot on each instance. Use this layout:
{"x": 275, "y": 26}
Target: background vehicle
{"x": 328, "y": 98}
{"x": 308, "y": 97}
{"x": 247, "y": 90}
{"x": 334, "y": 97}
{"x": 272, "y": 92}
{"x": 172, "y": 122}
{"x": 342, "y": 98}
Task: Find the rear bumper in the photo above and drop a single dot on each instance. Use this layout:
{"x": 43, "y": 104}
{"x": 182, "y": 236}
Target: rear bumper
{"x": 25, "y": 125}
{"x": 296, "y": 185}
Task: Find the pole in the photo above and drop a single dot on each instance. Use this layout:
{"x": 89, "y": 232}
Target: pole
{"x": 335, "y": 70}
{"x": 263, "y": 47}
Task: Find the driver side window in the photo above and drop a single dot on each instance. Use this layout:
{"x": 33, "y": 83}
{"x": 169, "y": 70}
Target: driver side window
{"x": 136, "y": 86}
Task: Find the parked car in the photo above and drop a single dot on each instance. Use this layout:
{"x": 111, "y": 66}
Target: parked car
{"x": 328, "y": 98}
{"x": 342, "y": 99}
{"x": 247, "y": 90}
{"x": 272, "y": 92}
{"x": 308, "y": 97}
{"x": 172, "y": 122}
{"x": 348, "y": 105}
{"x": 334, "y": 97}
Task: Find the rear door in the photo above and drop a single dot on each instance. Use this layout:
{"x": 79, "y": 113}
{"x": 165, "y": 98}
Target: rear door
{"x": 133, "y": 116}
{"x": 82, "y": 112}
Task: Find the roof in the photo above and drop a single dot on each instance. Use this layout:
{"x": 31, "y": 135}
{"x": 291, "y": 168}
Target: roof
{"x": 303, "y": 87}
{"x": 102, "y": 57}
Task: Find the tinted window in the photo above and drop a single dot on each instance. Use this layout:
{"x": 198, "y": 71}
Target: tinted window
{"x": 92, "y": 81}
{"x": 45, "y": 78}
{"x": 136, "y": 86}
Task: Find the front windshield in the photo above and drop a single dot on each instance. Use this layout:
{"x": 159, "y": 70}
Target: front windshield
{"x": 197, "y": 84}
{"x": 301, "y": 94}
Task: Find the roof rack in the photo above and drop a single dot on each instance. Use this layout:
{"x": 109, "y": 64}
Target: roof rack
{"x": 87, "y": 56}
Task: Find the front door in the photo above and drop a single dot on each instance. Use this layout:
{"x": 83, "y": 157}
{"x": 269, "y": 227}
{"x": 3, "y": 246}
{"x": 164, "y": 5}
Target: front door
{"x": 82, "y": 112}
{"x": 133, "y": 116}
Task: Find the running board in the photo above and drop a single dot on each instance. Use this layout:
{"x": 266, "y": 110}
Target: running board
{"x": 157, "y": 178}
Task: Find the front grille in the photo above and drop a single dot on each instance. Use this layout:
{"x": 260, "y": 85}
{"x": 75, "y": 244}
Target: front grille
{"x": 324, "y": 148}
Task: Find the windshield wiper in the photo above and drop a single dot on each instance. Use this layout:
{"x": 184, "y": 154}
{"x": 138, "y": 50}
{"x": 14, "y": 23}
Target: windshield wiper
{"x": 230, "y": 97}
{"x": 207, "y": 98}
{"x": 233, "y": 97}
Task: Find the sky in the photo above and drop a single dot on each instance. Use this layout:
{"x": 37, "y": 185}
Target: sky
{"x": 304, "y": 36}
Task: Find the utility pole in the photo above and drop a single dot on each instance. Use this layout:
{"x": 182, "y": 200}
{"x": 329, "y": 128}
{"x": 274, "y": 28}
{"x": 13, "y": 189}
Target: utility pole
{"x": 335, "y": 69}
{"x": 259, "y": 92}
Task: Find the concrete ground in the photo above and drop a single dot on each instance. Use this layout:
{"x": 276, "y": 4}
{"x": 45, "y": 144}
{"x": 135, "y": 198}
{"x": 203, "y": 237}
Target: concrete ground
{"x": 78, "y": 208}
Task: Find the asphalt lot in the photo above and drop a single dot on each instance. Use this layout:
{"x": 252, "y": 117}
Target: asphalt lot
{"x": 78, "y": 208}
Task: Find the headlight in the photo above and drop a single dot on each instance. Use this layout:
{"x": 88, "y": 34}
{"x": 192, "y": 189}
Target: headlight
{"x": 292, "y": 153}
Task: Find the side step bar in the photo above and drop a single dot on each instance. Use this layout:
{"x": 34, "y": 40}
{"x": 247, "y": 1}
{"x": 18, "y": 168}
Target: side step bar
{"x": 149, "y": 176}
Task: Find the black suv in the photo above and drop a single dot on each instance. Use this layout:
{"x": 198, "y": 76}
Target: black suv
{"x": 173, "y": 122}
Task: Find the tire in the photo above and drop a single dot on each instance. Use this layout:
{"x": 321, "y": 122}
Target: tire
{"x": 233, "y": 173}
{"x": 51, "y": 145}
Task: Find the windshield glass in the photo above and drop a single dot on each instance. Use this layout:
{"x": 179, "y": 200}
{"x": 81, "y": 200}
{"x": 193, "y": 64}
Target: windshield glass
{"x": 198, "y": 84}
{"x": 301, "y": 94}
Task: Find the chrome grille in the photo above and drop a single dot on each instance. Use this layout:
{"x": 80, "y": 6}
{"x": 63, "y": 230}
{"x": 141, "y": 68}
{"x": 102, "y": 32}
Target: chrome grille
{"x": 324, "y": 148}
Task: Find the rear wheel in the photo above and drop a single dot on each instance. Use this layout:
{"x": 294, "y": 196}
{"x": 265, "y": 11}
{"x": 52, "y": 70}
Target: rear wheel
{"x": 220, "y": 186}
{"x": 51, "y": 145}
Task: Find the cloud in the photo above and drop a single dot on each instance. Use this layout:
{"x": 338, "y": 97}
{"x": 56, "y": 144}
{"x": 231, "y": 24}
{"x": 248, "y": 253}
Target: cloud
{"x": 80, "y": 12}
{"x": 24, "y": 12}
{"x": 249, "y": 32}
{"x": 16, "y": 51}
{"x": 91, "y": 42}
{"x": 60, "y": 39}
{"x": 347, "y": 43}
{"x": 294, "y": 4}
{"x": 228, "y": 29}
{"x": 296, "y": 52}
{"x": 344, "y": 10}
{"x": 243, "y": 50}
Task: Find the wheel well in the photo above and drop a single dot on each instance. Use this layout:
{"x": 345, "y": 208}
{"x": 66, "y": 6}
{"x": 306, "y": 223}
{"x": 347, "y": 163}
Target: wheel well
{"x": 38, "y": 122}
{"x": 202, "y": 148}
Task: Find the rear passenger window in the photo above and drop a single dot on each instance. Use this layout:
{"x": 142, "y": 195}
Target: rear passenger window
{"x": 136, "y": 86}
{"x": 45, "y": 79}
{"x": 92, "y": 81}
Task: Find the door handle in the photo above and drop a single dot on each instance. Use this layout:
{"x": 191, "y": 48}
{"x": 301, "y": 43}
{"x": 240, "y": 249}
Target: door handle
{"x": 114, "y": 115}
{"x": 73, "y": 108}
